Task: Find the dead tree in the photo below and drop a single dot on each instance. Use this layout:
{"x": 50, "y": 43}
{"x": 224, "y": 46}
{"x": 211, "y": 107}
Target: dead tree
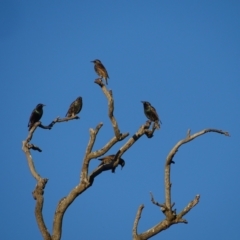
{"x": 86, "y": 180}
{"x": 171, "y": 215}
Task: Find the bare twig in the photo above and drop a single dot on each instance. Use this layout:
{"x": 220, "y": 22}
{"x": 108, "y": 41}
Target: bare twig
{"x": 33, "y": 147}
{"x": 56, "y": 120}
{"x": 59, "y": 120}
{"x": 156, "y": 203}
{"x": 135, "y": 225}
{"x": 192, "y": 204}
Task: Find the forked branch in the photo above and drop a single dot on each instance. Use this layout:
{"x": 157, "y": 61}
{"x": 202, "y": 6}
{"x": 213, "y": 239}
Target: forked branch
{"x": 41, "y": 182}
{"x": 144, "y": 129}
{"x": 39, "y": 124}
{"x": 171, "y": 216}
{"x": 87, "y": 180}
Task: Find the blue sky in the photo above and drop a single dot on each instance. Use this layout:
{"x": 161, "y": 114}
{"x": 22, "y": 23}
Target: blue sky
{"x": 182, "y": 56}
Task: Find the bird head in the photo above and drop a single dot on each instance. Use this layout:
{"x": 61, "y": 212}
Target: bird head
{"x": 96, "y": 61}
{"x": 146, "y": 104}
{"x": 79, "y": 99}
{"x": 40, "y": 106}
{"x": 122, "y": 162}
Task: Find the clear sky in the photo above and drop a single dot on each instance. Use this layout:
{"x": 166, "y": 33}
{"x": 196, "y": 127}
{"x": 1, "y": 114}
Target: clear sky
{"x": 182, "y": 56}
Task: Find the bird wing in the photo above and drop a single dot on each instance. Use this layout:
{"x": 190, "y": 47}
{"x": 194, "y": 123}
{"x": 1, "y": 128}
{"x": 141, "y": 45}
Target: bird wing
{"x": 70, "y": 109}
{"x": 32, "y": 116}
{"x": 103, "y": 70}
{"x": 29, "y": 122}
{"x": 154, "y": 112}
{"x": 107, "y": 159}
{"x": 79, "y": 105}
{"x": 157, "y": 114}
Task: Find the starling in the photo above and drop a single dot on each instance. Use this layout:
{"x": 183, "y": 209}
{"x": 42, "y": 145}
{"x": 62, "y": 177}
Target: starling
{"x": 36, "y": 115}
{"x": 151, "y": 113}
{"x": 100, "y": 70}
{"x": 75, "y": 107}
{"x": 108, "y": 160}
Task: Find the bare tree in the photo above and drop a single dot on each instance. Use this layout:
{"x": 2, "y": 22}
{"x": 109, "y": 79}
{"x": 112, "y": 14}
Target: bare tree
{"x": 86, "y": 180}
{"x": 171, "y": 216}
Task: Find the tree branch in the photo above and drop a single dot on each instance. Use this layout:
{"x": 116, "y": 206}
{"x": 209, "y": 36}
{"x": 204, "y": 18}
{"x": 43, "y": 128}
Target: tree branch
{"x": 162, "y": 206}
{"x": 41, "y": 182}
{"x": 191, "y": 205}
{"x": 174, "y": 151}
{"x": 56, "y": 120}
{"x": 144, "y": 129}
{"x": 33, "y": 147}
{"x": 31, "y": 166}
{"x": 59, "y": 120}
{"x": 38, "y": 192}
{"x": 110, "y": 99}
{"x": 135, "y": 225}
{"x": 167, "y": 208}
{"x": 38, "y": 196}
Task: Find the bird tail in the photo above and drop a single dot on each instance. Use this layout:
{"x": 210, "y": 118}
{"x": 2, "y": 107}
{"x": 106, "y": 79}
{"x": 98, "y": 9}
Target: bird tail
{"x": 106, "y": 80}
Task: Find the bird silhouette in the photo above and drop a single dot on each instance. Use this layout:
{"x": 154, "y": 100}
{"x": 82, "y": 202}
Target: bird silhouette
{"x": 35, "y": 115}
{"x": 100, "y": 70}
{"x": 75, "y": 107}
{"x": 151, "y": 113}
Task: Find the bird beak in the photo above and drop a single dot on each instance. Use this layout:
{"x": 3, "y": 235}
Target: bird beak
{"x": 92, "y": 61}
{"x": 44, "y": 105}
{"x": 143, "y": 101}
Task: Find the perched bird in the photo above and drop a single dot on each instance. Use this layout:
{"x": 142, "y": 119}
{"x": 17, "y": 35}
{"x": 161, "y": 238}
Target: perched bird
{"x": 108, "y": 160}
{"x": 75, "y": 107}
{"x": 151, "y": 113}
{"x": 100, "y": 70}
{"x": 36, "y": 115}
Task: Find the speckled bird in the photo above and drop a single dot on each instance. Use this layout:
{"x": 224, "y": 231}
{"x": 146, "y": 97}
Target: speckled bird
{"x": 108, "y": 160}
{"x": 100, "y": 70}
{"x": 36, "y": 115}
{"x": 151, "y": 113}
{"x": 75, "y": 107}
